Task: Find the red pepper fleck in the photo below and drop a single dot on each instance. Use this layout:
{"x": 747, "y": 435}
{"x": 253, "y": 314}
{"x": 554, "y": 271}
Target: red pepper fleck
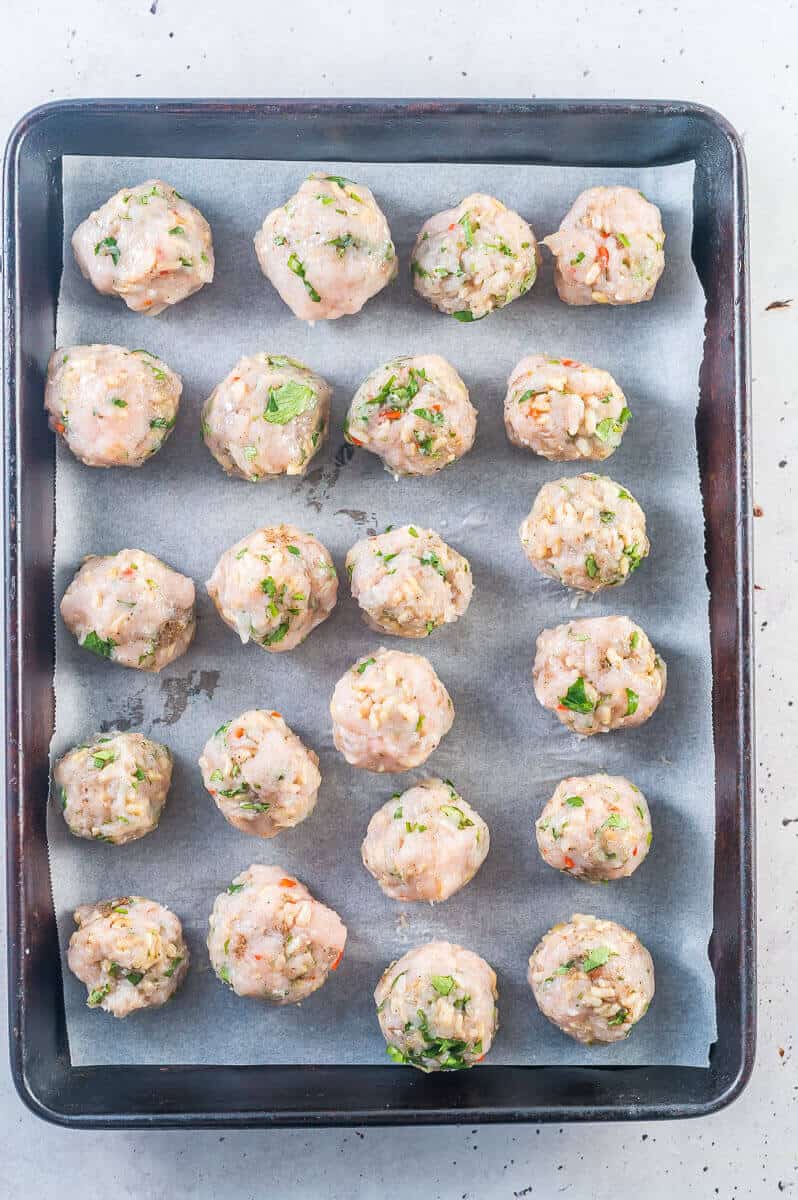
{"x": 287, "y": 883}
{"x": 334, "y": 966}
{"x": 603, "y": 256}
{"x": 569, "y": 862}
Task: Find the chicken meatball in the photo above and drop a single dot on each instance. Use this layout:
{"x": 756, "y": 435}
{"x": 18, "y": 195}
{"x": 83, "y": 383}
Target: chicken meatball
{"x": 408, "y": 581}
{"x": 591, "y": 978}
{"x": 609, "y": 248}
{"x": 564, "y": 410}
{"x": 598, "y": 674}
{"x": 129, "y": 952}
{"x": 270, "y": 939}
{"x": 260, "y": 775}
{"x": 328, "y": 249}
{"x": 390, "y": 711}
{"x": 147, "y": 245}
{"x": 268, "y": 417}
{"x": 414, "y": 413}
{"x": 437, "y": 1007}
{"x": 472, "y": 259}
{"x": 425, "y": 843}
{"x": 274, "y": 586}
{"x": 596, "y": 828}
{"x": 113, "y": 407}
{"x": 587, "y": 532}
{"x": 113, "y": 787}
{"x": 131, "y": 608}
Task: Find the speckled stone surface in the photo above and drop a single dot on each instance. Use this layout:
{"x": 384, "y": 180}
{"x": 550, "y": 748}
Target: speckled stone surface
{"x": 729, "y": 57}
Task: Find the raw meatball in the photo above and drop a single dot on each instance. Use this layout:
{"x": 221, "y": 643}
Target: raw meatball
{"x": 408, "y": 581}
{"x": 390, "y": 711}
{"x": 146, "y": 245}
{"x": 268, "y": 417}
{"x": 260, "y": 775}
{"x": 587, "y": 532}
{"x": 113, "y": 788}
{"x": 598, "y": 674}
{"x": 609, "y": 248}
{"x": 425, "y": 843}
{"x": 437, "y": 1007}
{"x": 415, "y": 413}
{"x": 595, "y": 827}
{"x": 593, "y": 979}
{"x": 270, "y": 939}
{"x": 563, "y": 409}
{"x": 328, "y": 249}
{"x": 474, "y": 258}
{"x": 274, "y": 586}
{"x": 129, "y": 952}
{"x": 113, "y": 407}
{"x": 132, "y": 608}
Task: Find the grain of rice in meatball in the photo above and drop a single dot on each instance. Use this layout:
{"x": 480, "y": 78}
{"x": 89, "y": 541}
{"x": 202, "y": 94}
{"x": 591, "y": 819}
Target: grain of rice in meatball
{"x": 592, "y": 978}
{"x": 609, "y": 248}
{"x": 328, "y": 249}
{"x": 564, "y": 410}
{"x": 437, "y": 1008}
{"x": 268, "y": 417}
{"x": 587, "y": 532}
{"x": 598, "y": 674}
{"x": 390, "y": 711}
{"x": 261, "y": 776}
{"x": 414, "y": 413}
{"x": 475, "y": 258}
{"x": 408, "y": 582}
{"x": 131, "y": 608}
{"x": 113, "y": 407}
{"x": 274, "y": 586}
{"x": 129, "y": 952}
{"x": 148, "y": 245}
{"x": 595, "y": 827}
{"x": 113, "y": 787}
{"x": 425, "y": 843}
{"x": 270, "y": 939}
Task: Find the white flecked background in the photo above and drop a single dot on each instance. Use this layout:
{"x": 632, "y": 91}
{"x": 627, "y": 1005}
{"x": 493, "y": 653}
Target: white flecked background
{"x": 733, "y": 59}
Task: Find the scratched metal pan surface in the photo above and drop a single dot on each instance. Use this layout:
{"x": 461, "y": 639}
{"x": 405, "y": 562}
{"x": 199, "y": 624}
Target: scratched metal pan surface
{"x": 568, "y": 133}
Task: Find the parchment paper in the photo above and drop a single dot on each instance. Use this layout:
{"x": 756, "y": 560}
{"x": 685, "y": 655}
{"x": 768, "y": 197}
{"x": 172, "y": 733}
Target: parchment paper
{"x": 505, "y": 753}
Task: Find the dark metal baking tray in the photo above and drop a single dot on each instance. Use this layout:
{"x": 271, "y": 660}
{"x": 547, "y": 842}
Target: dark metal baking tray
{"x": 601, "y": 133}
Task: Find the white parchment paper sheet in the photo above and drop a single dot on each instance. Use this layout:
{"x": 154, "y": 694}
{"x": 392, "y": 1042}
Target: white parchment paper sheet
{"x": 505, "y": 753}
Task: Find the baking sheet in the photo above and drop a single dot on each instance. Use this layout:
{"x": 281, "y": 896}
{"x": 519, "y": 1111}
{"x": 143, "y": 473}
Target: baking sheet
{"x": 504, "y": 753}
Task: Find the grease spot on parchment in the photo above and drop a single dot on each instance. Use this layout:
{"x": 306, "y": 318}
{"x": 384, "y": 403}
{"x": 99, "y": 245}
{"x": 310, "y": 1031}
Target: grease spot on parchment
{"x": 320, "y": 483}
{"x": 179, "y": 690}
{"x": 130, "y": 715}
{"x": 355, "y": 514}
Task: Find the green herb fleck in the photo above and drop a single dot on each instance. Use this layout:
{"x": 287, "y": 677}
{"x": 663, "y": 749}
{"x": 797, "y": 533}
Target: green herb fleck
{"x": 97, "y": 645}
{"x": 576, "y": 698}
{"x": 632, "y": 701}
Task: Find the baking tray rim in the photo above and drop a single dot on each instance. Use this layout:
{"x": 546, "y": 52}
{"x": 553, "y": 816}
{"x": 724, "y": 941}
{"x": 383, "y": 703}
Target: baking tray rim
{"x": 452, "y": 1108}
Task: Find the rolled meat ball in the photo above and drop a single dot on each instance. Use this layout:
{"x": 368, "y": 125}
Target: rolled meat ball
{"x": 598, "y": 674}
{"x": 592, "y": 978}
{"x": 147, "y": 245}
{"x": 268, "y": 937}
{"x": 425, "y": 843}
{"x": 390, "y": 711}
{"x": 129, "y": 952}
{"x": 595, "y": 827}
{"x": 274, "y": 586}
{"x": 113, "y": 787}
{"x": 408, "y": 582}
{"x": 268, "y": 417}
{"x": 472, "y": 259}
{"x": 131, "y": 608}
{"x": 437, "y": 1008}
{"x": 113, "y": 407}
{"x": 609, "y": 248}
{"x": 564, "y": 410}
{"x": 414, "y": 413}
{"x": 587, "y": 532}
{"x": 261, "y": 776}
{"x": 328, "y": 249}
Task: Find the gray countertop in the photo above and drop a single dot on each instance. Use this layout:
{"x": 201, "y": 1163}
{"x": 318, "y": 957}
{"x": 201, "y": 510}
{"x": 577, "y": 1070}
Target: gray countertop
{"x": 736, "y": 60}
